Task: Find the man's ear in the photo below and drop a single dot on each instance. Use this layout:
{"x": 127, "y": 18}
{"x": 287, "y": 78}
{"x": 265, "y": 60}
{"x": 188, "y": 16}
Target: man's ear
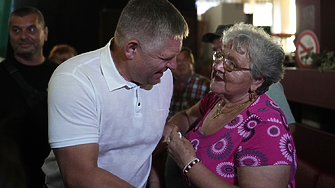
{"x": 131, "y": 48}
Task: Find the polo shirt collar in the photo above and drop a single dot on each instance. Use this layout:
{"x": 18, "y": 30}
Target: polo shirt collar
{"x": 112, "y": 76}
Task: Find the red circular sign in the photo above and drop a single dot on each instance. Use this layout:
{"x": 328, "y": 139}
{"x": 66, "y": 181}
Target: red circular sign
{"x": 307, "y": 41}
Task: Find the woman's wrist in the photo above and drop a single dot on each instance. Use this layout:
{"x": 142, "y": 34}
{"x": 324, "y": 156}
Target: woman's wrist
{"x": 190, "y": 164}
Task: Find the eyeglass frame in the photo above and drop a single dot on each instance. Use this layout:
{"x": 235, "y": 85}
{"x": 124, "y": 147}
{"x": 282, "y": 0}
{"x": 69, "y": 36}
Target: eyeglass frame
{"x": 218, "y": 57}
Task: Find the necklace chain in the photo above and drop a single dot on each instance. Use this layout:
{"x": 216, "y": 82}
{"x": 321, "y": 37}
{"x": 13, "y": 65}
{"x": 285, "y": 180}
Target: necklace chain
{"x": 219, "y": 110}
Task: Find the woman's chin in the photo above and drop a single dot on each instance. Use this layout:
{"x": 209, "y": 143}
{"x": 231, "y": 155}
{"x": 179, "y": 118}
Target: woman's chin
{"x": 215, "y": 86}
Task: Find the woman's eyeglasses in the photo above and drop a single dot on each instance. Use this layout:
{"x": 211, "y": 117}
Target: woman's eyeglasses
{"x": 228, "y": 65}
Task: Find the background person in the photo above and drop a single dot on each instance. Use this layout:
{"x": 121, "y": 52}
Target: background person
{"x": 108, "y": 107}
{"x": 188, "y": 86}
{"x": 61, "y": 53}
{"x": 215, "y": 38}
{"x": 276, "y": 90}
{"x": 24, "y": 78}
{"x": 242, "y": 138}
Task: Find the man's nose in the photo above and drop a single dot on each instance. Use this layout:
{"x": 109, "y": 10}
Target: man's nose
{"x": 172, "y": 64}
{"x": 23, "y": 34}
{"x": 179, "y": 61}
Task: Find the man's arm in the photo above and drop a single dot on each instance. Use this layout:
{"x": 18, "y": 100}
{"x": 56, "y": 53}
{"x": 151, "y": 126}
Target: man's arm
{"x": 78, "y": 166}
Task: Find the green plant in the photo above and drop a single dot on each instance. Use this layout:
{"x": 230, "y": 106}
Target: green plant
{"x": 321, "y": 61}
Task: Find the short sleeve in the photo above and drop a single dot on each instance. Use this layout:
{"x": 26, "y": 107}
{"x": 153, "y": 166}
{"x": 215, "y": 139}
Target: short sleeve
{"x": 71, "y": 120}
{"x": 267, "y": 143}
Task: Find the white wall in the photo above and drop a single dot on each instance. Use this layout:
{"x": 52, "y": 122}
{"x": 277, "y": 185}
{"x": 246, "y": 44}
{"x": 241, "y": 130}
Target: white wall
{"x": 223, "y": 14}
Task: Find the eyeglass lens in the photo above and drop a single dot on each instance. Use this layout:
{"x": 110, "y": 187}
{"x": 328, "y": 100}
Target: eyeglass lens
{"x": 228, "y": 65}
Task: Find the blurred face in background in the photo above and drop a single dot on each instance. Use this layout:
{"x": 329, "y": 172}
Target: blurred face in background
{"x": 184, "y": 64}
{"x": 216, "y": 45}
{"x": 61, "y": 57}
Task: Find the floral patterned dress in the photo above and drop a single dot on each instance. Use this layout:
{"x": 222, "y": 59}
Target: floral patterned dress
{"x": 259, "y": 136}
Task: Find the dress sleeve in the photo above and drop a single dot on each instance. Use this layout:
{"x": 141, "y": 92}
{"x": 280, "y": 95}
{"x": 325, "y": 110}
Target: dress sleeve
{"x": 266, "y": 141}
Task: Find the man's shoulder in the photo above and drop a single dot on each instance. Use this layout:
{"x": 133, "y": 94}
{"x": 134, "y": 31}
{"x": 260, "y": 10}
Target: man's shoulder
{"x": 200, "y": 77}
{"x": 3, "y": 71}
{"x": 275, "y": 87}
{"x": 7, "y": 65}
{"x": 6, "y": 61}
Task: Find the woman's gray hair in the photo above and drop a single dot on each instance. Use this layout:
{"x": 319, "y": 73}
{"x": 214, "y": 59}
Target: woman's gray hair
{"x": 265, "y": 52}
{"x": 150, "y": 22}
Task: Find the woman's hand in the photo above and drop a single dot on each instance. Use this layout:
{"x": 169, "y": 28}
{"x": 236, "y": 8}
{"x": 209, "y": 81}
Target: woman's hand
{"x": 180, "y": 149}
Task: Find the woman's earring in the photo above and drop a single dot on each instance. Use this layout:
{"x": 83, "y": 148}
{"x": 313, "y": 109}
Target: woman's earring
{"x": 251, "y": 95}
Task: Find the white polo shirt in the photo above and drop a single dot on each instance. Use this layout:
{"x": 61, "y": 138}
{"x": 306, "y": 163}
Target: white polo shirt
{"x": 90, "y": 102}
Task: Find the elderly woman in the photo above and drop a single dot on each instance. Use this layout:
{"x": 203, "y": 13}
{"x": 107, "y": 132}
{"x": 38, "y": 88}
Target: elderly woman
{"x": 236, "y": 135}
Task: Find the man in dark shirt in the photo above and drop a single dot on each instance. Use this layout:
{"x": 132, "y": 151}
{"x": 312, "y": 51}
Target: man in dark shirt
{"x": 23, "y": 112}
